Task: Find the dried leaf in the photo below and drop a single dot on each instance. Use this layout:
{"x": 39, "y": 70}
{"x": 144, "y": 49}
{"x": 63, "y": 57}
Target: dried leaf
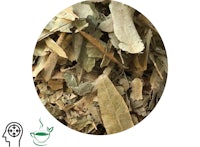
{"x": 120, "y": 89}
{"x": 55, "y": 84}
{"x": 83, "y": 88}
{"x": 56, "y": 96}
{"x": 52, "y": 60}
{"x": 71, "y": 74}
{"x": 39, "y": 66}
{"x": 124, "y": 28}
{"x": 96, "y": 1}
{"x": 58, "y": 75}
{"x": 49, "y": 66}
{"x": 107, "y": 25}
{"x": 155, "y": 65}
{"x": 86, "y": 62}
{"x": 114, "y": 112}
{"x": 140, "y": 60}
{"x": 54, "y": 26}
{"x": 55, "y": 47}
{"x": 41, "y": 49}
{"x": 77, "y": 45}
{"x": 92, "y": 51}
{"x": 70, "y": 79}
{"x": 80, "y": 24}
{"x": 137, "y": 87}
{"x": 67, "y": 14}
{"x": 142, "y": 19}
{"x": 115, "y": 42}
{"x": 124, "y": 82}
{"x": 61, "y": 24}
{"x": 83, "y": 10}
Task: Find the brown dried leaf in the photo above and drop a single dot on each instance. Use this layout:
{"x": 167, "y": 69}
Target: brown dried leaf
{"x": 55, "y": 84}
{"x": 114, "y": 111}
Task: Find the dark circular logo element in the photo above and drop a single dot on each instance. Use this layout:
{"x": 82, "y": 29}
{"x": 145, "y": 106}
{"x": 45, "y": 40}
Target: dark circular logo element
{"x": 14, "y": 130}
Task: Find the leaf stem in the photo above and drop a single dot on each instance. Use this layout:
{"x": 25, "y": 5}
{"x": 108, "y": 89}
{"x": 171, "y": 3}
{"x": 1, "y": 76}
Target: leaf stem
{"x": 98, "y": 45}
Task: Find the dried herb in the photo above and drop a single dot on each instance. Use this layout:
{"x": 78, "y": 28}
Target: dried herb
{"x": 114, "y": 111}
{"x": 99, "y": 67}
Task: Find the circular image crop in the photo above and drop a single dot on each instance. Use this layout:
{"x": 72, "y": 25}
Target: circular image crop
{"x": 99, "y": 67}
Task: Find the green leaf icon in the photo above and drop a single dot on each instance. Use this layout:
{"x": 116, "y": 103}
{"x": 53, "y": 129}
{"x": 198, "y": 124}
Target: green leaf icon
{"x": 50, "y": 129}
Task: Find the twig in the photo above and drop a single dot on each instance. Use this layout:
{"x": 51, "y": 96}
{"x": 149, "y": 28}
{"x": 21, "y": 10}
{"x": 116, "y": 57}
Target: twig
{"x": 98, "y": 45}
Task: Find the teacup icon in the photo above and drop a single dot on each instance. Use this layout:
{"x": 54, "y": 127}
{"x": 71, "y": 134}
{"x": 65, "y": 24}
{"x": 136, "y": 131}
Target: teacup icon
{"x": 41, "y": 136}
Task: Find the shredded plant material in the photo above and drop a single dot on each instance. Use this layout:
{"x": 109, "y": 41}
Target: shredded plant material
{"x": 99, "y": 67}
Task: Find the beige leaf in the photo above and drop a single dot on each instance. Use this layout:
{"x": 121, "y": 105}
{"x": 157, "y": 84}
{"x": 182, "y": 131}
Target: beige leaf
{"x": 124, "y": 28}
{"x": 67, "y": 14}
{"x": 114, "y": 111}
{"x": 83, "y": 10}
{"x": 124, "y": 83}
{"x": 96, "y": 1}
{"x": 107, "y": 25}
{"x": 40, "y": 65}
{"x": 55, "y": 47}
{"x": 137, "y": 87}
{"x": 49, "y": 66}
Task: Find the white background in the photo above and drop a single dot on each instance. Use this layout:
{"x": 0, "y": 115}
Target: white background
{"x": 175, "y": 120}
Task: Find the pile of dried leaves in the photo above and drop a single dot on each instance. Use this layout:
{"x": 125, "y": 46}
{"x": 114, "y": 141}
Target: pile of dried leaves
{"x": 99, "y": 67}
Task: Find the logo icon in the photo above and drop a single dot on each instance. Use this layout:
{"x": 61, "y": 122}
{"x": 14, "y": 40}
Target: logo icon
{"x": 41, "y": 136}
{"x": 13, "y": 134}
